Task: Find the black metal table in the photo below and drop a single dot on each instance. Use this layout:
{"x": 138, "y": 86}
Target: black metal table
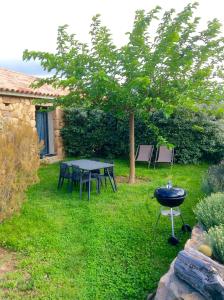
{"x": 91, "y": 165}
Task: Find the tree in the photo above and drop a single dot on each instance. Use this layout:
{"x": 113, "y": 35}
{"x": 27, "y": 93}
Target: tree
{"x": 176, "y": 66}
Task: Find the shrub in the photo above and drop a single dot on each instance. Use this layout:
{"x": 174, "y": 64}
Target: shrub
{"x": 87, "y": 132}
{"x": 216, "y": 237}
{"x": 210, "y": 210}
{"x": 19, "y": 161}
{"x": 196, "y": 137}
{"x": 213, "y": 181}
{"x": 96, "y": 133}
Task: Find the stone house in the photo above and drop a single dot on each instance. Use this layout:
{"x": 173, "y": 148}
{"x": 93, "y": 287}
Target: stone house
{"x": 17, "y": 103}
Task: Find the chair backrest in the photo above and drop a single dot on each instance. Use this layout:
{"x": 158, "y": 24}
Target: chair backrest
{"x": 144, "y": 153}
{"x": 110, "y": 169}
{"x": 96, "y": 171}
{"x": 77, "y": 172}
{"x": 165, "y": 155}
{"x": 64, "y": 170}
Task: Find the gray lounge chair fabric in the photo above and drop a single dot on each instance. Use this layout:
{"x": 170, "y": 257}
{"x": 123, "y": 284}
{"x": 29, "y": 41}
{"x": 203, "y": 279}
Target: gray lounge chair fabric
{"x": 164, "y": 155}
{"x": 144, "y": 153}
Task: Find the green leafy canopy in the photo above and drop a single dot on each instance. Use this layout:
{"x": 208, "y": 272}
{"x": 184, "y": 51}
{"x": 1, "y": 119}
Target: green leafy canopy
{"x": 173, "y": 66}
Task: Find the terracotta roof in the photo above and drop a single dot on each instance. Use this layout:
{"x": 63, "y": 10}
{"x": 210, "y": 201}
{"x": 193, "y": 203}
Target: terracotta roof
{"x": 19, "y": 83}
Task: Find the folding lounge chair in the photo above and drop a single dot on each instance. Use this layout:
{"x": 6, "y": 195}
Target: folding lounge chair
{"x": 164, "y": 155}
{"x": 144, "y": 153}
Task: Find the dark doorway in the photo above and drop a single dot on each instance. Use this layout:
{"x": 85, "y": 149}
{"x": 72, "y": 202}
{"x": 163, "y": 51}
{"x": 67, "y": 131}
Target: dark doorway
{"x": 42, "y": 130}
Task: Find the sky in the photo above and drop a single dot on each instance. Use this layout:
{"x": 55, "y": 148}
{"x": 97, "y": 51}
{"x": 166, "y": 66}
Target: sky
{"x": 32, "y": 25}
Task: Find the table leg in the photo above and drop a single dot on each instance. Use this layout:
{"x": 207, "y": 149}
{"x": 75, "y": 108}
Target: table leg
{"x": 98, "y": 185}
{"x": 115, "y": 184}
{"x": 111, "y": 181}
{"x": 89, "y": 186}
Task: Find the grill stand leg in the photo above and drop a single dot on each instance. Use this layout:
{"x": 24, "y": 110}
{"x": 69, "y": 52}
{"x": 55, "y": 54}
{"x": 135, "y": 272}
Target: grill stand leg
{"x": 172, "y": 222}
{"x": 172, "y": 240}
{"x": 185, "y": 227}
{"x": 172, "y": 213}
{"x": 156, "y": 224}
{"x": 157, "y": 221}
{"x": 182, "y": 218}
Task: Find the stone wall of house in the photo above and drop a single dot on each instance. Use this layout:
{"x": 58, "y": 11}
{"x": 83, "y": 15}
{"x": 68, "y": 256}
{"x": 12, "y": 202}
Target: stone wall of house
{"x": 58, "y": 124}
{"x": 15, "y": 108}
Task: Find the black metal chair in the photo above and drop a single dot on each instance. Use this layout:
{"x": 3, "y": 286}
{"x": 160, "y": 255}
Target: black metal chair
{"x": 108, "y": 173}
{"x": 64, "y": 173}
{"x": 95, "y": 173}
{"x": 82, "y": 177}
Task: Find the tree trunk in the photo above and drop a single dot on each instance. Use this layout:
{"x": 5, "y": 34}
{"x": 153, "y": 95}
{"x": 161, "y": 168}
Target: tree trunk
{"x": 132, "y": 147}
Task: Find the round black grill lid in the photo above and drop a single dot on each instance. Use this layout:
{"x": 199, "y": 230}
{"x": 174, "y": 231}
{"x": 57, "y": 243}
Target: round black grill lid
{"x": 164, "y": 192}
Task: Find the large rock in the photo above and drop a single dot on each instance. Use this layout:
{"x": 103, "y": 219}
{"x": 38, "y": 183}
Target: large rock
{"x": 192, "y": 275}
{"x": 201, "y": 273}
{"x": 172, "y": 288}
{"x": 198, "y": 237}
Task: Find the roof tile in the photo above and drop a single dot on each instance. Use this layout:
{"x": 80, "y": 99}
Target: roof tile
{"x": 15, "y": 82}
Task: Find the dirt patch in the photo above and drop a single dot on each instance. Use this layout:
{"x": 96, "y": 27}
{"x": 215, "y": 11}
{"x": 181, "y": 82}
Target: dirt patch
{"x": 8, "y": 266}
{"x": 124, "y": 179}
{"x": 7, "y": 261}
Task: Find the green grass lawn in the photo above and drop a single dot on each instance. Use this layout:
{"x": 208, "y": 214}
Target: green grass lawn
{"x": 103, "y": 249}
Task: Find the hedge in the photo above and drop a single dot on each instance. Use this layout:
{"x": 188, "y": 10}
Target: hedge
{"x": 95, "y": 133}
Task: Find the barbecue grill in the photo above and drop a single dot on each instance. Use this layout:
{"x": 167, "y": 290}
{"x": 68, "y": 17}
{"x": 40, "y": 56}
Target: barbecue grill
{"x": 171, "y": 197}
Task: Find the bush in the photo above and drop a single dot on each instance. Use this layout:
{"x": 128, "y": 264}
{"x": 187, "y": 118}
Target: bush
{"x": 87, "y": 132}
{"x": 210, "y": 210}
{"x": 216, "y": 237}
{"x": 19, "y": 161}
{"x": 196, "y": 137}
{"x": 95, "y": 133}
{"x": 214, "y": 179}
